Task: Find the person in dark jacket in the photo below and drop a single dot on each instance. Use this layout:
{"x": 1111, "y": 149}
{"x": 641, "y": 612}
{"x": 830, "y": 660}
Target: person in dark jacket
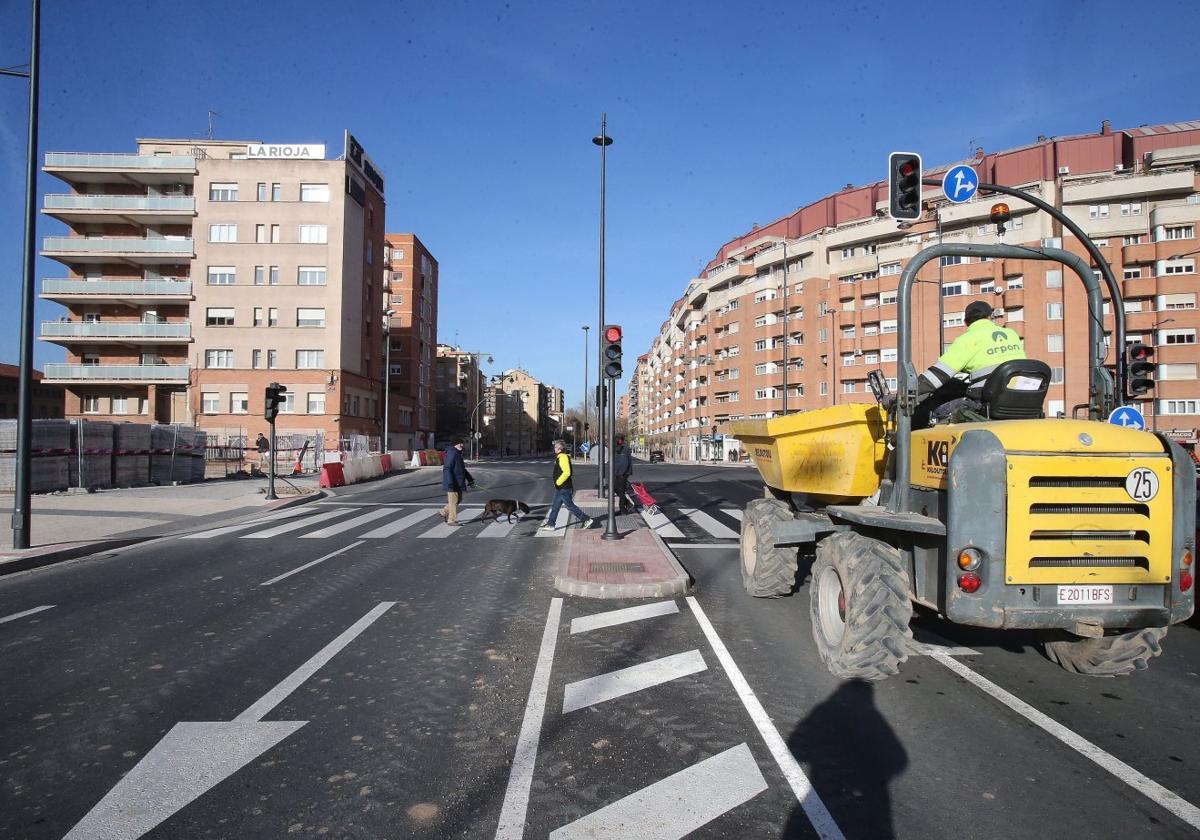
{"x": 564, "y": 489}
{"x": 622, "y": 470}
{"x": 263, "y": 444}
{"x": 455, "y": 480}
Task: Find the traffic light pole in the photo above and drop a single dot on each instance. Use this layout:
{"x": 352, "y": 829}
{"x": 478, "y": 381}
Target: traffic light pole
{"x": 271, "y": 468}
{"x": 610, "y": 525}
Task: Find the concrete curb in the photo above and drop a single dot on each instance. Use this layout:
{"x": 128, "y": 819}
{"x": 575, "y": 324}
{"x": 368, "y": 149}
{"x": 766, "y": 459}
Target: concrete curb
{"x": 679, "y": 584}
{"x": 41, "y": 556}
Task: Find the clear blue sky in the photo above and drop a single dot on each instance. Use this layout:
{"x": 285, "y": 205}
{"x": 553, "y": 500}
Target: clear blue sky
{"x": 480, "y": 115}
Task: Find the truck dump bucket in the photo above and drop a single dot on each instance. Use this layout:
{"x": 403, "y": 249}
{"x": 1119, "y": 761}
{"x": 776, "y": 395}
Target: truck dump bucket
{"x": 835, "y": 454}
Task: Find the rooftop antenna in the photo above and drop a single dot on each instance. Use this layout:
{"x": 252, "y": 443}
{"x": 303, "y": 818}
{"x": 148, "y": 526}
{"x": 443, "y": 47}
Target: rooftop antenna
{"x": 211, "y": 114}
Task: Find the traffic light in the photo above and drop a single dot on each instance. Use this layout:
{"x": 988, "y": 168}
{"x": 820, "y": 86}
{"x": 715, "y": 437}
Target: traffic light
{"x": 612, "y": 351}
{"x": 274, "y": 399}
{"x": 1141, "y": 369}
{"x": 904, "y": 186}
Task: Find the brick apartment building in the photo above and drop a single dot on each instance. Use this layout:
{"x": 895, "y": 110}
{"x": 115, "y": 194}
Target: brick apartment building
{"x": 199, "y": 271}
{"x": 48, "y": 401}
{"x": 461, "y": 390}
{"x": 412, "y": 281}
{"x": 522, "y": 415}
{"x": 719, "y": 355}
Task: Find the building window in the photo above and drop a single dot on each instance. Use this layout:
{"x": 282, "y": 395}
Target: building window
{"x": 1015, "y": 281}
{"x": 1054, "y": 279}
{"x": 239, "y": 403}
{"x": 222, "y": 275}
{"x": 848, "y": 332}
{"x": 262, "y": 191}
{"x": 887, "y": 326}
{"x": 219, "y": 316}
{"x": 310, "y": 317}
{"x": 1133, "y": 273}
{"x": 1131, "y": 209}
{"x": 764, "y": 393}
{"x": 1177, "y": 301}
{"x": 1016, "y": 314}
{"x": 256, "y": 356}
{"x": 871, "y": 359}
{"x": 274, "y": 275}
{"x": 987, "y": 287}
{"x": 1186, "y": 336}
{"x": 1177, "y": 371}
{"x": 1056, "y": 376}
{"x": 761, "y": 344}
{"x": 314, "y": 234}
{"x": 888, "y": 269}
{"x": 1097, "y": 211}
{"x": 314, "y": 192}
{"x": 288, "y": 406}
{"x": 953, "y": 260}
{"x": 222, "y": 192}
{"x": 1054, "y": 311}
{"x": 848, "y": 387}
{"x": 1180, "y": 232}
{"x": 275, "y": 234}
{"x": 1178, "y": 266}
{"x": 272, "y": 317}
{"x": 260, "y": 275}
{"x": 120, "y": 405}
{"x": 955, "y": 289}
{"x": 824, "y": 389}
{"x": 314, "y": 275}
{"x": 887, "y": 354}
{"x": 1132, "y": 239}
{"x": 1179, "y": 406}
{"x": 218, "y": 358}
{"x": 1054, "y": 343}
{"x": 260, "y": 234}
{"x": 210, "y": 402}
{"x": 309, "y": 359}
{"x": 258, "y": 319}
{"x": 735, "y": 350}
{"x": 316, "y": 403}
{"x": 888, "y": 298}
{"x": 276, "y": 192}
{"x": 222, "y": 233}
{"x": 848, "y": 360}
{"x": 760, "y": 321}
{"x": 272, "y": 359}
{"x": 953, "y": 319}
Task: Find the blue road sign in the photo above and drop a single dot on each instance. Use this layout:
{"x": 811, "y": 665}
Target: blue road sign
{"x": 960, "y": 183}
{"x": 1129, "y": 417}
{"x": 585, "y": 447}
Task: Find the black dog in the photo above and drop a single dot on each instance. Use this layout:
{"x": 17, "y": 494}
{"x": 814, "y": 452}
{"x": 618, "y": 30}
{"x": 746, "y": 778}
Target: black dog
{"x": 508, "y": 507}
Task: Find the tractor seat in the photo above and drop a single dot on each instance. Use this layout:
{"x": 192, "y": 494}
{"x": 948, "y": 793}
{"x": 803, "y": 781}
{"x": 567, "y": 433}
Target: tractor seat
{"x": 1016, "y": 390}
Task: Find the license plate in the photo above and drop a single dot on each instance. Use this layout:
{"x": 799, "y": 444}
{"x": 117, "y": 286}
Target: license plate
{"x": 1085, "y": 595}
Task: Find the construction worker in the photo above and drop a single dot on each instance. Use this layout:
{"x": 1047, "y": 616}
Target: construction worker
{"x": 976, "y": 353}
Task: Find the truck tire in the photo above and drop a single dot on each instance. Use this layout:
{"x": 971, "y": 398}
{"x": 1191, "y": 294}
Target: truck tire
{"x": 858, "y": 599}
{"x": 1108, "y": 656}
{"x": 768, "y": 571}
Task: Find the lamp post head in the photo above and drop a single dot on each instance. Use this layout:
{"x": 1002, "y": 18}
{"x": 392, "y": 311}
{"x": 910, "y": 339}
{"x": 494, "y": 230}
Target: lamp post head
{"x": 602, "y": 140}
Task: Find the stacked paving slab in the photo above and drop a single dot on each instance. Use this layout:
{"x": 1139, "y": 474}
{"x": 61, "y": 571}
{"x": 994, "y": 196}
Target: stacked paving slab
{"x": 51, "y": 445}
{"x": 176, "y": 454}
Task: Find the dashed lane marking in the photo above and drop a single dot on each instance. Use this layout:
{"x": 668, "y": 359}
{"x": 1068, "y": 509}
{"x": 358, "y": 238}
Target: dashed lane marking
{"x": 677, "y": 805}
{"x": 610, "y": 686}
{"x": 310, "y": 564}
{"x": 614, "y": 617}
{"x": 25, "y": 613}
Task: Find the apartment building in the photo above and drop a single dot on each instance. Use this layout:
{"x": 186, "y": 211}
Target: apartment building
{"x": 460, "y": 389}
{"x": 46, "y": 401}
{"x": 834, "y": 266}
{"x": 199, "y": 271}
{"x": 523, "y": 414}
{"x": 412, "y": 283}
{"x": 639, "y": 396}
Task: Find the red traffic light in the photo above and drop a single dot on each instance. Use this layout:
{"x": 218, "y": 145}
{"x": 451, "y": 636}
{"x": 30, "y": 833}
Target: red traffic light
{"x": 907, "y": 168}
{"x": 612, "y": 333}
{"x": 1140, "y": 352}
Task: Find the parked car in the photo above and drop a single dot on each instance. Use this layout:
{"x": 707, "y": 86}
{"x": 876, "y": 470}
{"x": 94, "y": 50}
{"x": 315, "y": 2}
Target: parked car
{"x": 656, "y": 455}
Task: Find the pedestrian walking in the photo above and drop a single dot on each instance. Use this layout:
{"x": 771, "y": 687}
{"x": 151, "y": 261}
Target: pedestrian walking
{"x": 564, "y": 489}
{"x": 263, "y": 444}
{"x": 622, "y": 470}
{"x": 455, "y": 480}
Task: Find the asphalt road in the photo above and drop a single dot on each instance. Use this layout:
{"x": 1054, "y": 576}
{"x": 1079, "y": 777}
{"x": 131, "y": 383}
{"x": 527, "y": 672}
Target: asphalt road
{"x": 355, "y": 669}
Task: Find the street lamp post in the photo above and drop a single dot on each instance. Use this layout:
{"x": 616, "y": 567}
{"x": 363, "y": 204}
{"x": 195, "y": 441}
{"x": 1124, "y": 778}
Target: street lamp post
{"x": 603, "y": 141}
{"x": 585, "y": 381}
{"x": 387, "y": 377}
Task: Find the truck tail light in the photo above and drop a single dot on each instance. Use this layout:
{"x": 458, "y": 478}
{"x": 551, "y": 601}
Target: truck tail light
{"x": 969, "y": 582}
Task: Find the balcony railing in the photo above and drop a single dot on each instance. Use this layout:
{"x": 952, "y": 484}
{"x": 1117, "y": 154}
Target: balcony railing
{"x": 142, "y": 203}
{"x": 114, "y": 329}
{"x": 116, "y": 373}
{"x": 117, "y": 288}
{"x": 94, "y": 160}
{"x": 117, "y": 245}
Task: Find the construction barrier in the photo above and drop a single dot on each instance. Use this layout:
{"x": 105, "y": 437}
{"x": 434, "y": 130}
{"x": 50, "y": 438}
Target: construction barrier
{"x": 332, "y": 475}
{"x": 351, "y": 470}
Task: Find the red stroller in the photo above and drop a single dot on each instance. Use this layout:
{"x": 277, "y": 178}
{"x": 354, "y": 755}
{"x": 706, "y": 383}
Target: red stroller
{"x": 644, "y": 497}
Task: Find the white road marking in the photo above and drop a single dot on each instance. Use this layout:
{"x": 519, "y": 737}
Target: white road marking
{"x": 711, "y": 525}
{"x": 560, "y": 524}
{"x": 502, "y": 527}
{"x": 1144, "y": 785}
{"x": 661, "y": 525}
{"x": 398, "y": 525}
{"x": 192, "y": 758}
{"x": 822, "y": 821}
{"x": 677, "y": 805}
{"x": 520, "y": 777}
{"x": 610, "y": 686}
{"x": 443, "y": 529}
{"x": 33, "y": 611}
{"x": 731, "y": 546}
{"x": 341, "y": 527}
{"x": 296, "y": 526}
{"x": 736, "y": 513}
{"x": 229, "y": 529}
{"x": 614, "y": 617}
{"x": 310, "y": 564}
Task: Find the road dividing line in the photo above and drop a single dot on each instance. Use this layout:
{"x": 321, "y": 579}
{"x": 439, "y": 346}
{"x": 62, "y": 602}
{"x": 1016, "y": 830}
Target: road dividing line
{"x": 33, "y": 611}
{"x": 822, "y": 821}
{"x": 399, "y": 525}
{"x": 661, "y": 525}
{"x": 614, "y": 617}
{"x": 341, "y": 527}
{"x": 520, "y": 777}
{"x": 710, "y": 524}
{"x": 310, "y": 564}
{"x": 736, "y": 513}
{"x": 610, "y": 686}
{"x": 677, "y": 805}
{"x": 296, "y": 526}
{"x": 1144, "y": 785}
{"x": 229, "y": 529}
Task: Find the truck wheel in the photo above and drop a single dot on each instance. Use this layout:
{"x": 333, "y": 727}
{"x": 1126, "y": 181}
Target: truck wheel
{"x": 1108, "y": 656}
{"x": 768, "y": 571}
{"x": 858, "y": 599}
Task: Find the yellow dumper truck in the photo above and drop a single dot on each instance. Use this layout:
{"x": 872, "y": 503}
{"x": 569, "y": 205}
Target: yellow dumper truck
{"x": 1079, "y": 528}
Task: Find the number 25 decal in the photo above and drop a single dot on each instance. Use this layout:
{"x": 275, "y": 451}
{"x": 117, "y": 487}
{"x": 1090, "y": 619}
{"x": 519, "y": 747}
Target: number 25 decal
{"x": 1141, "y": 484}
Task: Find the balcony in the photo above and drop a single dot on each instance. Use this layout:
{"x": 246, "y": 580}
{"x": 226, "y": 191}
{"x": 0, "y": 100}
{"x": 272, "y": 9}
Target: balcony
{"x": 82, "y": 250}
{"x": 1139, "y": 287}
{"x": 67, "y": 332}
{"x": 136, "y": 209}
{"x": 117, "y": 291}
{"x": 100, "y": 168}
{"x": 1141, "y": 253}
{"x": 62, "y": 374}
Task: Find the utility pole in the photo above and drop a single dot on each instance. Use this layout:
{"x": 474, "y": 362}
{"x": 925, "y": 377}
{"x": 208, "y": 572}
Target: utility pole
{"x": 603, "y": 141}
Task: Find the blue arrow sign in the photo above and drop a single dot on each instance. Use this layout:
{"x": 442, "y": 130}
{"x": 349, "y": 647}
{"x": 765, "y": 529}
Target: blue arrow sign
{"x": 1128, "y": 417}
{"x": 960, "y": 183}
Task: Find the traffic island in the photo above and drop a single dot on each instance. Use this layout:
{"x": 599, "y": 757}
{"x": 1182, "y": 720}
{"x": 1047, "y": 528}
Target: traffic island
{"x": 639, "y": 565}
